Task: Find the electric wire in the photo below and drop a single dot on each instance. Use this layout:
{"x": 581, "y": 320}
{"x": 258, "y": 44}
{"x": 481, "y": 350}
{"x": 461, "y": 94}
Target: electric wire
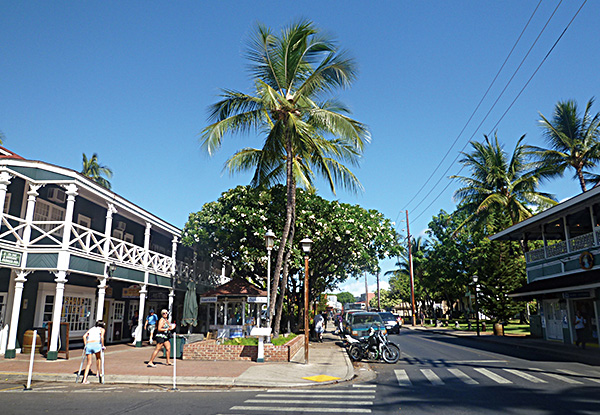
{"x": 514, "y": 100}
{"x": 474, "y": 111}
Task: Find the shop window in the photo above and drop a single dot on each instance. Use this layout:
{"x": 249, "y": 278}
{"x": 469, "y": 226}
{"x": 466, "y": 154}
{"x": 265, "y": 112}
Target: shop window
{"x": 3, "y": 298}
{"x": 7, "y": 202}
{"x": 76, "y": 311}
{"x": 48, "y": 304}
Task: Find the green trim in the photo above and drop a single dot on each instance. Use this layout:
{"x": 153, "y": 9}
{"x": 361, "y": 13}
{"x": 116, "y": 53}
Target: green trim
{"x": 52, "y": 356}
{"x": 35, "y": 173}
{"x": 10, "y": 354}
{"x": 129, "y": 274}
{"x": 42, "y": 260}
{"x": 78, "y": 263}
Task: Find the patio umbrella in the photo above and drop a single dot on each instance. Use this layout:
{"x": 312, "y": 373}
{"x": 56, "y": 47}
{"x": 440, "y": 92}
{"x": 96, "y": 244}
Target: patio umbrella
{"x": 190, "y": 307}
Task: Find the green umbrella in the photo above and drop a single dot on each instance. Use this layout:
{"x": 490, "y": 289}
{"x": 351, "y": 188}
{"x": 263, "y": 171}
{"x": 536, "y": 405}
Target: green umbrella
{"x": 190, "y": 306}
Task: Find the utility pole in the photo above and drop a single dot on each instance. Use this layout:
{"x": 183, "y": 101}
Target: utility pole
{"x": 410, "y": 268}
{"x": 378, "y": 293}
{"x": 366, "y": 293}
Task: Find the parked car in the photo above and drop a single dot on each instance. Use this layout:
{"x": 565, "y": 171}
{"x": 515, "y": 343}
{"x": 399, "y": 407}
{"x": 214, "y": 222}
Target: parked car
{"x": 358, "y": 324}
{"x": 392, "y": 323}
{"x": 345, "y": 319}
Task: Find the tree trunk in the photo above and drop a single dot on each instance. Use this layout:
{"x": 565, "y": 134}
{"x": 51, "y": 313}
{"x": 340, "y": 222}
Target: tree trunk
{"x": 291, "y": 202}
{"x": 581, "y": 179}
{"x": 284, "y": 278}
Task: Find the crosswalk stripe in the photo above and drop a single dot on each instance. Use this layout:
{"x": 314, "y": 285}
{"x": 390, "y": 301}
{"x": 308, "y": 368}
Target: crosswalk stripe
{"x": 295, "y": 409}
{"x": 364, "y": 386}
{"x": 525, "y": 376}
{"x": 330, "y": 395}
{"x": 563, "y": 378}
{"x": 463, "y": 376}
{"x": 496, "y": 378}
{"x": 312, "y": 402}
{"x": 432, "y": 377}
{"x": 402, "y": 377}
{"x": 569, "y": 372}
{"x": 321, "y": 392}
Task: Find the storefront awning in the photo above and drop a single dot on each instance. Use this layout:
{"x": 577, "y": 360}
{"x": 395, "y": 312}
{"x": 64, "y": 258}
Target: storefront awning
{"x": 580, "y": 281}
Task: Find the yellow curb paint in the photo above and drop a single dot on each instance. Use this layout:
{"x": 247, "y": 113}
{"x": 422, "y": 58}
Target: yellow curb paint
{"x": 8, "y": 389}
{"x": 321, "y": 378}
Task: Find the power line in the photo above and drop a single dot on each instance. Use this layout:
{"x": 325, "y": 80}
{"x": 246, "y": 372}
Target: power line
{"x": 474, "y": 111}
{"x": 514, "y": 100}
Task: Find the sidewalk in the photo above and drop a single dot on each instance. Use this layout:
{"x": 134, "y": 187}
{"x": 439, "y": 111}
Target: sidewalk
{"x": 127, "y": 364}
{"x": 566, "y": 352}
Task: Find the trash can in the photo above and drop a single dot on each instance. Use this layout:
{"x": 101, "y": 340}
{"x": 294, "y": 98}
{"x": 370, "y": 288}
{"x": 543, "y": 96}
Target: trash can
{"x": 180, "y": 341}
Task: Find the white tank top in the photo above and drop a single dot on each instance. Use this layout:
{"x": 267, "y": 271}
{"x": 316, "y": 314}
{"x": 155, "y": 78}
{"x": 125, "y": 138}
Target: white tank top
{"x": 94, "y": 334}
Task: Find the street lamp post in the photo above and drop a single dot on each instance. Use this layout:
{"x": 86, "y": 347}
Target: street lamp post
{"x": 306, "y": 244}
{"x": 475, "y": 278}
{"x": 269, "y": 240}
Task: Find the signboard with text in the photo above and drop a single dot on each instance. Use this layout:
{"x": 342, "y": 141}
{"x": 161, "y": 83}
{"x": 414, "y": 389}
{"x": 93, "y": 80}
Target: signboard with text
{"x": 10, "y": 258}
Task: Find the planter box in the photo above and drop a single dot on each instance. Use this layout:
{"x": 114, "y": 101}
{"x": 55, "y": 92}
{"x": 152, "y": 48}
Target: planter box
{"x": 210, "y": 350}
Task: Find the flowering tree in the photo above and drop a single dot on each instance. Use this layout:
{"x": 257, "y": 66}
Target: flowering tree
{"x": 347, "y": 239}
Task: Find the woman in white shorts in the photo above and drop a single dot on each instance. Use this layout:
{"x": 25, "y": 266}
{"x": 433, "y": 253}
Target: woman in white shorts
{"x": 93, "y": 340}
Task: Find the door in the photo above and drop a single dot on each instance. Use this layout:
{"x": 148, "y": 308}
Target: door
{"x": 554, "y": 320}
{"x": 133, "y": 314}
{"x": 116, "y": 321}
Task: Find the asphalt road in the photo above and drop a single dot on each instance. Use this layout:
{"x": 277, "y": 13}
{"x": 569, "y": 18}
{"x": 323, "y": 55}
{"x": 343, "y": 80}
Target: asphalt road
{"x": 436, "y": 374}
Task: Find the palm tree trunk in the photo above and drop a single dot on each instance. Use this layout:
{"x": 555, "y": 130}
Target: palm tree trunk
{"x": 291, "y": 202}
{"x": 581, "y": 179}
{"x": 284, "y": 278}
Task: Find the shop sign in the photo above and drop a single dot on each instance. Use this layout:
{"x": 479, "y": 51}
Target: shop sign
{"x": 208, "y": 299}
{"x": 577, "y": 294}
{"x": 108, "y": 292}
{"x": 262, "y": 300}
{"x": 133, "y": 291}
{"x": 10, "y": 258}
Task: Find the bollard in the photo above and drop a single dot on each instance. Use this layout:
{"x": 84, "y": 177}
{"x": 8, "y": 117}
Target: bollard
{"x": 28, "y": 387}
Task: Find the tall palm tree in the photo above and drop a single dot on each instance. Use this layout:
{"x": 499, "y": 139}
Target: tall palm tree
{"x": 499, "y": 186}
{"x": 305, "y": 133}
{"x": 95, "y": 171}
{"x": 573, "y": 141}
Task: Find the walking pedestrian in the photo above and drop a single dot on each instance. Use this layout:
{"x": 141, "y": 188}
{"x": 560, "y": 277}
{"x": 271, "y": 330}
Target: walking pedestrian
{"x": 319, "y": 327}
{"x": 133, "y": 324}
{"x": 150, "y": 324}
{"x": 580, "y": 323}
{"x": 93, "y": 341}
{"x": 163, "y": 338}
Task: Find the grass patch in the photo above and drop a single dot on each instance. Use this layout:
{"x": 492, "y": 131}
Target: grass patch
{"x": 253, "y": 341}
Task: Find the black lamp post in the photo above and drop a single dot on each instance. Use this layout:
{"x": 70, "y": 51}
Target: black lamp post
{"x": 306, "y": 244}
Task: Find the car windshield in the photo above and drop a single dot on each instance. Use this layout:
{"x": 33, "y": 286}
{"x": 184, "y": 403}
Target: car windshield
{"x": 367, "y": 319}
{"x": 387, "y": 316}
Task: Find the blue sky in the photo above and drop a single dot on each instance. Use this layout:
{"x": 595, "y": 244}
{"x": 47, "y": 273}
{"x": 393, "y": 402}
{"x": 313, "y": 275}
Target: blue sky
{"x": 132, "y": 80}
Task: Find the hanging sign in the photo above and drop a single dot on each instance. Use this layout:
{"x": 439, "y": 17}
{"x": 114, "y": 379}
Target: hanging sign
{"x": 208, "y": 299}
{"x": 133, "y": 291}
{"x": 257, "y": 300}
{"x": 10, "y": 258}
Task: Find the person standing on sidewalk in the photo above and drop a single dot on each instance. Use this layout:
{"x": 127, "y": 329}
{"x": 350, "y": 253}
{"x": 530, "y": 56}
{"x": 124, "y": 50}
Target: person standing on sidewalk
{"x": 150, "y": 324}
{"x": 163, "y": 338}
{"x": 580, "y": 329}
{"x": 93, "y": 341}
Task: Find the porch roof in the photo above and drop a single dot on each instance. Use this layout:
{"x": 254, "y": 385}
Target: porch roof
{"x": 236, "y": 287}
{"x": 532, "y": 226}
{"x": 582, "y": 281}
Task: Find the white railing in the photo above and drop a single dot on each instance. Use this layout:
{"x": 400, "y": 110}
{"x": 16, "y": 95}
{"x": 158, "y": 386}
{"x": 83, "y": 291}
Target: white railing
{"x": 49, "y": 234}
{"x": 581, "y": 242}
{"x": 556, "y": 249}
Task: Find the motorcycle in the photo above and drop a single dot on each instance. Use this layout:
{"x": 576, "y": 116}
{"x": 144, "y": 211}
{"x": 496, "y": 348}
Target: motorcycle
{"x": 376, "y": 346}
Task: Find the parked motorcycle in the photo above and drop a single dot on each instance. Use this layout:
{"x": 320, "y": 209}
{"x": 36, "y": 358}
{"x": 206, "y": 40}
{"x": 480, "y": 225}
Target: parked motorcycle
{"x": 374, "y": 347}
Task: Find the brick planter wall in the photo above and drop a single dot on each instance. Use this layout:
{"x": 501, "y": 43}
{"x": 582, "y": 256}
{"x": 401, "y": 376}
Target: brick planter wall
{"x": 210, "y": 350}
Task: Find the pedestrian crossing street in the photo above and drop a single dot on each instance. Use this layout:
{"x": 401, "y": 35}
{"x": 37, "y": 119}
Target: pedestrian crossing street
{"x": 357, "y": 400}
{"x": 441, "y": 376}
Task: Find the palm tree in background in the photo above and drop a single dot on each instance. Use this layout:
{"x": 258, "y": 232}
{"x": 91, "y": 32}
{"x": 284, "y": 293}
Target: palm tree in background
{"x": 499, "y": 186}
{"x": 306, "y": 134}
{"x": 573, "y": 142}
{"x": 95, "y": 171}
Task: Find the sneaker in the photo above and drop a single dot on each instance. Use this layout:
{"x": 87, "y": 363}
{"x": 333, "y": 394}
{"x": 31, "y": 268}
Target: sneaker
{"x": 151, "y": 365}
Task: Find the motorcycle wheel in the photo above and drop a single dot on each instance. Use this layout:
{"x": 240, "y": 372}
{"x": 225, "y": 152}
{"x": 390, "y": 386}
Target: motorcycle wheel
{"x": 355, "y": 353}
{"x": 391, "y": 353}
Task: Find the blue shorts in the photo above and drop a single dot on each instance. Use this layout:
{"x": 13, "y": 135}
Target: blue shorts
{"x": 92, "y": 348}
